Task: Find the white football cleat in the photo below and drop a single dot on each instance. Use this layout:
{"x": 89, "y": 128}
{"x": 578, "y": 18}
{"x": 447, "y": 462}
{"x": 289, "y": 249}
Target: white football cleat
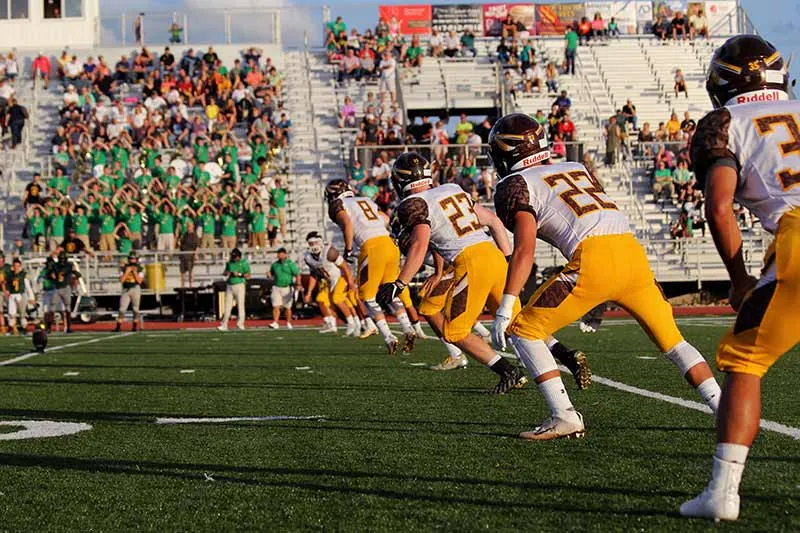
{"x": 223, "y": 327}
{"x": 349, "y": 331}
{"x": 289, "y": 325}
{"x": 328, "y": 329}
{"x": 275, "y": 325}
{"x": 716, "y": 505}
{"x": 451, "y": 363}
{"x": 391, "y": 344}
{"x": 557, "y": 428}
{"x": 240, "y": 327}
{"x": 369, "y": 332}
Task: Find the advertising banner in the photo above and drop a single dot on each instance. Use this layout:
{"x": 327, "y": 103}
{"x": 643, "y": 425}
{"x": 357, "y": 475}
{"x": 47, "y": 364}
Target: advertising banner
{"x": 495, "y": 14}
{"x": 644, "y": 16}
{"x": 412, "y": 18}
{"x": 625, "y": 15}
{"x": 551, "y": 19}
{"x": 722, "y": 17}
{"x": 457, "y": 17}
{"x": 668, "y": 8}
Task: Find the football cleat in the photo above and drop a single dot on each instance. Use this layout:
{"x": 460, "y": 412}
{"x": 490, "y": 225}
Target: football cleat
{"x": 274, "y": 325}
{"x": 451, "y": 363}
{"x": 557, "y": 428}
{"x": 409, "y": 339}
{"x": 714, "y": 505}
{"x": 514, "y": 379}
{"x": 578, "y": 365}
{"x": 369, "y": 332}
{"x": 289, "y": 325}
{"x": 391, "y": 345}
{"x": 240, "y": 327}
{"x": 223, "y": 327}
{"x": 328, "y": 329}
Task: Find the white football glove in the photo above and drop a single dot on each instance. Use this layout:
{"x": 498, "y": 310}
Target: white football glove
{"x": 502, "y": 320}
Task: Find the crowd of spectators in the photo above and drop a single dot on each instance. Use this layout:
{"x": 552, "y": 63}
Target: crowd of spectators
{"x": 148, "y": 148}
{"x": 680, "y": 27}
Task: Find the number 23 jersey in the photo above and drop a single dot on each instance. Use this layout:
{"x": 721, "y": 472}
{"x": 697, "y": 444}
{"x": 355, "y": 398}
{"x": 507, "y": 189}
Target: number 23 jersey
{"x": 568, "y": 204}
{"x": 761, "y": 141}
{"x": 448, "y": 210}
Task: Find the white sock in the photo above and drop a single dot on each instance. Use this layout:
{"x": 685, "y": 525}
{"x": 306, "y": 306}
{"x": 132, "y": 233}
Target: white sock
{"x": 710, "y": 392}
{"x": 369, "y": 323}
{"x": 481, "y": 330}
{"x": 726, "y": 473}
{"x": 452, "y": 350}
{"x": 357, "y": 323}
{"x": 495, "y": 359}
{"x": 330, "y": 321}
{"x": 351, "y": 322}
{"x": 556, "y": 397}
{"x": 383, "y": 327}
{"x": 732, "y": 453}
{"x": 418, "y": 329}
{"x": 405, "y": 323}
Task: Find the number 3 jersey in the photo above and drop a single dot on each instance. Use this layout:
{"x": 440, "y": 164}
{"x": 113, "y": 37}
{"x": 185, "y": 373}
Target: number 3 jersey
{"x": 761, "y": 141}
{"x": 568, "y": 204}
{"x": 449, "y": 211}
{"x": 364, "y": 215}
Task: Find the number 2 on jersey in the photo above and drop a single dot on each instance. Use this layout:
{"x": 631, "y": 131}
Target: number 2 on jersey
{"x": 454, "y": 207}
{"x": 787, "y": 177}
{"x": 571, "y": 195}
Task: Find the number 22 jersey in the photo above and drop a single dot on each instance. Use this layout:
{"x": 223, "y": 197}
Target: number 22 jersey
{"x": 568, "y": 204}
{"x": 761, "y": 141}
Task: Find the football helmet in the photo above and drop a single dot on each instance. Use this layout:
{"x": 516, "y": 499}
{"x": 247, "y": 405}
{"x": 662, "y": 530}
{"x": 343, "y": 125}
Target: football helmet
{"x": 410, "y": 169}
{"x": 336, "y": 189}
{"x": 40, "y": 337}
{"x": 315, "y": 242}
{"x": 517, "y": 141}
{"x": 746, "y": 68}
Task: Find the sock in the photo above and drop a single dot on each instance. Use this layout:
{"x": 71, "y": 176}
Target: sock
{"x": 418, "y": 329}
{"x": 351, "y": 322}
{"x": 383, "y": 327}
{"x": 726, "y": 474}
{"x": 357, "y": 323}
{"x": 500, "y": 366}
{"x": 560, "y": 352}
{"x": 452, "y": 350}
{"x": 710, "y": 392}
{"x": 369, "y": 323}
{"x": 405, "y": 323}
{"x": 481, "y": 330}
{"x": 556, "y": 397}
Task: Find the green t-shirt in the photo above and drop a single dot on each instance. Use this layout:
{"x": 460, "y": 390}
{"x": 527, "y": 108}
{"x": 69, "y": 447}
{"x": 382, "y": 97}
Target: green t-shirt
{"x": 56, "y": 223}
{"x": 357, "y": 174}
{"x": 572, "y": 40}
{"x": 48, "y": 284}
{"x": 172, "y": 181}
{"x": 184, "y": 224}
{"x": 121, "y": 154}
{"x": 202, "y": 178}
{"x": 233, "y": 150}
{"x": 134, "y": 222}
{"x": 150, "y": 157}
{"x": 166, "y": 222}
{"x": 201, "y": 153}
{"x": 370, "y": 191}
{"x": 468, "y": 41}
{"x": 414, "y": 52}
{"x": 207, "y": 222}
{"x": 462, "y": 132}
{"x": 283, "y": 272}
{"x": 80, "y": 223}
{"x": 62, "y": 158}
{"x": 682, "y": 176}
{"x": 237, "y": 267}
{"x": 259, "y": 150}
{"x": 527, "y": 53}
{"x": 35, "y": 226}
{"x": 249, "y": 179}
{"x": 107, "y": 223}
{"x": 663, "y": 176}
{"x": 228, "y": 225}
{"x": 99, "y": 157}
{"x": 125, "y": 245}
{"x": 258, "y": 222}
{"x": 272, "y": 218}
{"x": 129, "y": 280}
{"x": 143, "y": 180}
{"x": 279, "y": 196}
{"x": 61, "y": 184}
{"x": 109, "y": 184}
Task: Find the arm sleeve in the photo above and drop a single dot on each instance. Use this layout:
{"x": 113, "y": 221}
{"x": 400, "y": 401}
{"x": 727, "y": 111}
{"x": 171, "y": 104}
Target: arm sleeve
{"x": 413, "y": 212}
{"x": 710, "y": 144}
{"x": 512, "y": 196}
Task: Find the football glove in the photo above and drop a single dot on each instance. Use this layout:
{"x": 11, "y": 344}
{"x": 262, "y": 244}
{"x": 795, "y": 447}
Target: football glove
{"x": 348, "y": 256}
{"x": 502, "y": 320}
{"x": 388, "y": 292}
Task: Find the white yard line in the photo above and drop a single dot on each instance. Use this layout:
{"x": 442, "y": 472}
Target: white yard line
{"x": 689, "y": 404}
{"x": 224, "y": 420}
{"x": 61, "y": 347}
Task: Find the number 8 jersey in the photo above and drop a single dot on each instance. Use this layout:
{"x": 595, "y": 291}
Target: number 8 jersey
{"x": 568, "y": 204}
{"x": 365, "y": 216}
{"x": 761, "y": 141}
{"x": 448, "y": 210}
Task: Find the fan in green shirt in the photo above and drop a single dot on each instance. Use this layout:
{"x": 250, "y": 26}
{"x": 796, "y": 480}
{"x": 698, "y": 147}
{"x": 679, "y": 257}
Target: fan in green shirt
{"x": 59, "y": 182}
{"x": 172, "y": 180}
{"x": 165, "y": 219}
{"x": 238, "y": 270}
{"x": 273, "y": 221}
{"x": 228, "y": 220}
{"x": 201, "y": 150}
{"x": 80, "y": 222}
{"x": 143, "y": 180}
{"x": 56, "y": 223}
{"x": 258, "y": 221}
{"x": 278, "y": 194}
{"x": 36, "y": 223}
{"x": 202, "y": 177}
{"x": 414, "y": 52}
{"x": 259, "y": 149}
{"x": 249, "y": 177}
{"x": 120, "y": 155}
{"x": 99, "y": 156}
{"x": 207, "y": 221}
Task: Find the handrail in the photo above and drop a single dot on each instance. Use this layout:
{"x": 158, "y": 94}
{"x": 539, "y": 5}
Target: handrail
{"x": 306, "y": 57}
{"x": 444, "y": 84}
{"x": 401, "y": 102}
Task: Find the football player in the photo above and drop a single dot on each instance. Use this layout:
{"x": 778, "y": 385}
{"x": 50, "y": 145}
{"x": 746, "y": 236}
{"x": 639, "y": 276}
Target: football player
{"x": 446, "y": 219}
{"x": 326, "y": 263}
{"x": 20, "y": 293}
{"x": 5, "y": 274}
{"x": 65, "y": 277}
{"x": 748, "y": 151}
{"x": 131, "y": 277}
{"x": 47, "y": 276}
{"x": 365, "y": 226}
{"x": 563, "y": 205}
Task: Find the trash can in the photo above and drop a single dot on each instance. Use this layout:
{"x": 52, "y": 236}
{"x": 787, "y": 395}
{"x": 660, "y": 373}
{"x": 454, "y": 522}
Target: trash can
{"x": 155, "y": 274}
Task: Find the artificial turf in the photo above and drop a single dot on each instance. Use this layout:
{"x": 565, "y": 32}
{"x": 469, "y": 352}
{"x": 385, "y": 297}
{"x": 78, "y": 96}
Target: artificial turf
{"x": 398, "y": 447}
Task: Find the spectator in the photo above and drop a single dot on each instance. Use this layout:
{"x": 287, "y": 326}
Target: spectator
{"x": 646, "y": 137}
{"x": 673, "y": 128}
{"x": 452, "y": 45}
{"x": 551, "y": 78}
{"x": 388, "y": 68}
{"x": 284, "y": 274}
{"x": 681, "y": 229}
{"x": 277, "y": 196}
{"x": 662, "y": 182}
{"x": 570, "y": 50}
{"x": 122, "y": 70}
{"x": 613, "y": 136}
{"x": 698, "y": 23}
{"x": 688, "y": 125}
{"x": 584, "y": 30}
{"x": 356, "y": 175}
{"x": 436, "y": 44}
{"x": 414, "y": 53}
{"x": 369, "y": 189}
{"x": 350, "y": 66}
{"x": 679, "y": 26}
{"x": 468, "y": 43}
{"x": 599, "y": 30}
{"x": 503, "y": 52}
{"x": 509, "y": 29}
{"x": 540, "y": 118}
{"x": 683, "y": 179}
{"x": 380, "y": 170}
{"x": 526, "y": 56}
{"x": 463, "y": 128}
{"x": 533, "y": 77}
{"x": 661, "y": 134}
{"x": 563, "y": 101}
{"x": 629, "y": 112}
{"x": 661, "y": 28}
{"x": 175, "y": 34}
{"x": 347, "y": 115}
{"x": 566, "y": 127}
{"x": 33, "y": 192}
{"x": 680, "y": 84}
{"x": 40, "y": 69}
{"x": 613, "y": 28}
{"x": 15, "y": 118}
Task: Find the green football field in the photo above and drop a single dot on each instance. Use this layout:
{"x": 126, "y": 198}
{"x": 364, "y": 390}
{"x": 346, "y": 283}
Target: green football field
{"x": 351, "y": 439}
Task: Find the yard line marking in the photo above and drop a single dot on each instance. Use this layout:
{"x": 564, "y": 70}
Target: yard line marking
{"x": 302, "y": 368}
{"x": 187, "y": 371}
{"x": 61, "y": 347}
{"x": 646, "y": 357}
{"x": 235, "y": 419}
{"x": 72, "y": 373}
{"x": 689, "y": 404}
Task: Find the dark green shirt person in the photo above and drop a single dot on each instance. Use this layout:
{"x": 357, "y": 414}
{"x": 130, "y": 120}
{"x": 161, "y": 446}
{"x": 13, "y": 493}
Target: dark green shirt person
{"x": 36, "y": 225}
{"x": 278, "y": 195}
{"x": 143, "y": 180}
{"x": 99, "y": 157}
{"x": 272, "y": 217}
{"x": 46, "y": 276}
{"x": 237, "y": 269}
{"x": 16, "y": 283}
{"x": 228, "y": 225}
{"x": 201, "y": 153}
{"x": 166, "y": 222}
{"x": 80, "y": 223}
{"x": 572, "y": 40}
{"x": 133, "y": 221}
{"x": 250, "y": 178}
{"x": 107, "y": 223}
{"x": 283, "y": 272}
{"x": 121, "y": 154}
{"x": 258, "y": 222}
{"x": 63, "y": 271}
{"x": 207, "y": 221}
{"x": 56, "y": 224}
{"x": 124, "y": 244}
{"x": 59, "y": 183}
{"x": 171, "y": 181}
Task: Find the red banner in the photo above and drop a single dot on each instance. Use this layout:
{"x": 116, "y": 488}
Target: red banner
{"x": 552, "y": 19}
{"x": 412, "y": 18}
{"x": 495, "y": 14}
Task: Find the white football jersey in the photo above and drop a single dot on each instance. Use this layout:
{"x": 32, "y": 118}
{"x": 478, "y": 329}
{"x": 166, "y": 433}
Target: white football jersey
{"x": 568, "y": 204}
{"x": 368, "y": 222}
{"x": 762, "y": 142}
{"x": 449, "y": 212}
{"x": 322, "y": 267}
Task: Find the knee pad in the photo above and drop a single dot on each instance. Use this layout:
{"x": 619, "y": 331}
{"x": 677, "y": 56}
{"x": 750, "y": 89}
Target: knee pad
{"x": 534, "y": 355}
{"x": 373, "y": 309}
{"x": 684, "y": 356}
{"x": 398, "y": 308}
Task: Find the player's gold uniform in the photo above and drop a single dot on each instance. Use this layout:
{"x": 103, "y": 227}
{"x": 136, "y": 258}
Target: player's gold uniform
{"x": 606, "y": 262}
{"x": 479, "y": 267}
{"x": 332, "y": 285}
{"x": 379, "y": 257}
{"x": 761, "y": 141}
{"x": 433, "y": 299}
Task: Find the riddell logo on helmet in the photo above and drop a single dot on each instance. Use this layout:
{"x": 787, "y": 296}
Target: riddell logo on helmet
{"x": 760, "y": 96}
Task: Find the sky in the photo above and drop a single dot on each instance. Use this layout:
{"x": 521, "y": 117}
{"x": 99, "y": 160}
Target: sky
{"x": 776, "y": 20}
